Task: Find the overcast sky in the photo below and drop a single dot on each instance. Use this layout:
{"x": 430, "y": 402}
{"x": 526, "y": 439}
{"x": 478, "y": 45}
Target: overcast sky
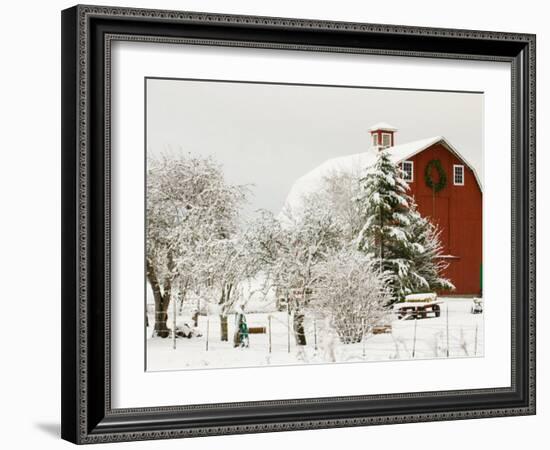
{"x": 270, "y": 135}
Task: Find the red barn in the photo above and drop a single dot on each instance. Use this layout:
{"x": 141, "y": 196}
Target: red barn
{"x": 448, "y": 191}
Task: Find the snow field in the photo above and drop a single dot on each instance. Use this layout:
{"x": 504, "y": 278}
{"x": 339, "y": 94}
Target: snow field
{"x": 461, "y": 335}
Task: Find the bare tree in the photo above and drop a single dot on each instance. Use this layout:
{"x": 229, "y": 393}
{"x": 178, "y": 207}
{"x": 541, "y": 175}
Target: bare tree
{"x": 288, "y": 251}
{"x": 232, "y": 265}
{"x": 339, "y": 193}
{"x": 189, "y": 205}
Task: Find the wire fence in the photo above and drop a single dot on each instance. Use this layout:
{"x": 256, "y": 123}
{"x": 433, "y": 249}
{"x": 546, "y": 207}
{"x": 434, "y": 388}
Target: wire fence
{"x": 407, "y": 338}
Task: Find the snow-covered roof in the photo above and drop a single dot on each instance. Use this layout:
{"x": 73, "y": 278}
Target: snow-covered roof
{"x": 354, "y": 164}
{"x": 403, "y": 151}
{"x": 382, "y": 126}
{"x": 313, "y": 180}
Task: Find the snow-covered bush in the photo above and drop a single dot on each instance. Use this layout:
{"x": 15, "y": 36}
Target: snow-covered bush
{"x": 351, "y": 293}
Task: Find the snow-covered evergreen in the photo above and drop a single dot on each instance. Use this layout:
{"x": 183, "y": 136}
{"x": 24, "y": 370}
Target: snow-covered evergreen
{"x": 402, "y": 243}
{"x": 385, "y": 205}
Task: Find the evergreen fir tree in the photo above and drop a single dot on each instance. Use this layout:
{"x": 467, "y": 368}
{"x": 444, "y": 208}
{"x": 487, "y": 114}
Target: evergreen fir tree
{"x": 385, "y": 206}
{"x": 403, "y": 244}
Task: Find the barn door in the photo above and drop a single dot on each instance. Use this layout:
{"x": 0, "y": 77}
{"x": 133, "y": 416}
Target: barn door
{"x": 437, "y": 210}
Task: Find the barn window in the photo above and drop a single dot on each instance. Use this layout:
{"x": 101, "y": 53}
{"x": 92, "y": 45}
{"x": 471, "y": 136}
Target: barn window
{"x": 386, "y": 139}
{"x": 458, "y": 172}
{"x": 408, "y": 172}
{"x": 375, "y": 139}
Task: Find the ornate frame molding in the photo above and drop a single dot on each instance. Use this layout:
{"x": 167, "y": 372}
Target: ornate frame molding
{"x": 83, "y": 422}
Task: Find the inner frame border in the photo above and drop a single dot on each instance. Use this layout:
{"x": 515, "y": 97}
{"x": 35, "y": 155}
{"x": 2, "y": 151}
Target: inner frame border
{"x": 264, "y": 83}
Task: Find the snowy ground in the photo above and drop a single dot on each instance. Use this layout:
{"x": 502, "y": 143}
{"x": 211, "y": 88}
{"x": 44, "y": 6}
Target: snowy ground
{"x": 465, "y": 339}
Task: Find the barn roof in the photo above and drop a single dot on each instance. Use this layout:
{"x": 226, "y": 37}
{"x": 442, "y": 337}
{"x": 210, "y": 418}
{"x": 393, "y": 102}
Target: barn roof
{"x": 313, "y": 180}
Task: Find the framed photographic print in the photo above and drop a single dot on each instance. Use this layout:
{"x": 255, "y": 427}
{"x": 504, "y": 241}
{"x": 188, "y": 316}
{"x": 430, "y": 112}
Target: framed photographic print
{"x": 282, "y": 224}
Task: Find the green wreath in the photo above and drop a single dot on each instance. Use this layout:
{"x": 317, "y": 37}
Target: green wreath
{"x": 440, "y": 172}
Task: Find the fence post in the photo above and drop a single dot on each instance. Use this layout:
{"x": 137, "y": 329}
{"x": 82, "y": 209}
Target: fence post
{"x": 447, "y": 314}
{"x": 207, "y": 330}
{"x": 174, "y": 322}
{"x": 269, "y": 322}
{"x": 315, "y": 332}
{"x": 475, "y": 342}
{"x": 364, "y": 337}
{"x": 288, "y": 323}
{"x": 414, "y": 339}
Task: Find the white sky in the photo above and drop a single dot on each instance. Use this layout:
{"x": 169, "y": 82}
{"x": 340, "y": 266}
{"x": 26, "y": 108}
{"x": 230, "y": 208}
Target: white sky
{"x": 269, "y": 135}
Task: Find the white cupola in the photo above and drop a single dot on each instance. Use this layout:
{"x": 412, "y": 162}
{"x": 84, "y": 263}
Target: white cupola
{"x": 382, "y": 135}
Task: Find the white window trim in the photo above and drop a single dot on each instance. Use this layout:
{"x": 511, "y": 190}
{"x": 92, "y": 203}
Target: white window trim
{"x": 375, "y": 139}
{"x": 454, "y": 174}
{"x": 412, "y": 170}
{"x": 382, "y": 139}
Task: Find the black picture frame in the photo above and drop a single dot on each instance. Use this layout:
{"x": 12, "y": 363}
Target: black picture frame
{"x": 87, "y": 32}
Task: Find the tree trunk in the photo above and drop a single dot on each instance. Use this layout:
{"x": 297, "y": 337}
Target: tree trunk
{"x": 161, "y": 303}
{"x": 223, "y": 328}
{"x": 299, "y": 331}
{"x": 161, "y": 317}
{"x": 224, "y": 302}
